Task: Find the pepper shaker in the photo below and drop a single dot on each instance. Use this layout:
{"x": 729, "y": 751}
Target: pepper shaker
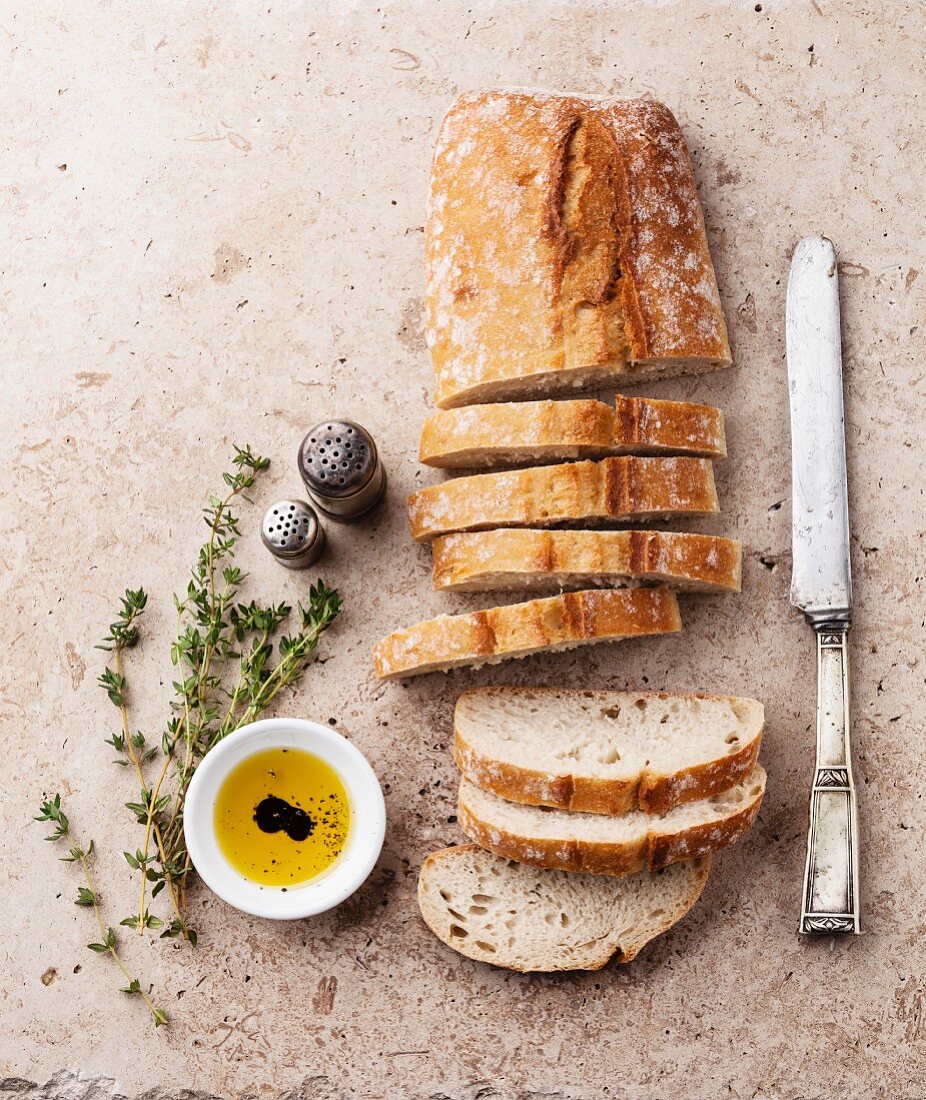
{"x": 292, "y": 533}
{"x": 340, "y": 467}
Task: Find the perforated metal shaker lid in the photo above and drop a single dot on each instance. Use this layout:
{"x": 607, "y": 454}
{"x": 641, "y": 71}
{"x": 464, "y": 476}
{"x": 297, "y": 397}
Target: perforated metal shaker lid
{"x": 292, "y": 533}
{"x": 340, "y": 467}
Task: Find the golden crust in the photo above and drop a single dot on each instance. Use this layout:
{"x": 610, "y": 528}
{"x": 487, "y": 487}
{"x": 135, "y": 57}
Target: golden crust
{"x": 482, "y": 435}
{"x": 565, "y": 246}
{"x": 648, "y": 426}
{"x": 513, "y": 558}
{"x": 672, "y": 307}
{"x": 648, "y": 791}
{"x": 516, "y": 630}
{"x": 651, "y": 852}
{"x": 517, "y": 433}
{"x": 611, "y": 490}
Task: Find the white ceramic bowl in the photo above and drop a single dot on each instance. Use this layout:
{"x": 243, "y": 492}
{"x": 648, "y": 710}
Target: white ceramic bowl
{"x": 364, "y": 838}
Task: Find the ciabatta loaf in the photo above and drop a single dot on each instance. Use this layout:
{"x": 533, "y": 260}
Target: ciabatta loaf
{"x": 512, "y": 558}
{"x": 505, "y": 913}
{"x": 565, "y": 247}
{"x": 516, "y": 433}
{"x": 611, "y": 490}
{"x": 605, "y": 752}
{"x": 516, "y": 630}
{"x": 604, "y": 845}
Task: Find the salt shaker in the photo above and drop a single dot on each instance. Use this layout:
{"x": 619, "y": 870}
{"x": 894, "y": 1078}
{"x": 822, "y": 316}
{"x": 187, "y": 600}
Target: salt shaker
{"x": 292, "y": 533}
{"x": 341, "y": 470}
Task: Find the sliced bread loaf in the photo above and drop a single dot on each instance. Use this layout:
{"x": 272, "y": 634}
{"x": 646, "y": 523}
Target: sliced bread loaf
{"x": 602, "y": 845}
{"x": 611, "y": 490}
{"x": 516, "y": 630}
{"x": 505, "y": 913}
{"x": 605, "y": 752}
{"x": 513, "y": 558}
{"x": 514, "y": 433}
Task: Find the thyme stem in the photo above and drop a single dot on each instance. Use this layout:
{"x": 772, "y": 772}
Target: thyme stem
{"x": 87, "y": 896}
{"x": 106, "y": 938}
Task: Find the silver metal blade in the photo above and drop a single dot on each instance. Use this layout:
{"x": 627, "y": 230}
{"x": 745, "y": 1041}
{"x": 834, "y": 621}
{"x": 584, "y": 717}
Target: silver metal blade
{"x": 821, "y": 580}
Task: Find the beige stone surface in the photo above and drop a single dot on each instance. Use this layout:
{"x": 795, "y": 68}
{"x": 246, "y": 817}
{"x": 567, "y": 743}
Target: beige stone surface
{"x": 211, "y": 220}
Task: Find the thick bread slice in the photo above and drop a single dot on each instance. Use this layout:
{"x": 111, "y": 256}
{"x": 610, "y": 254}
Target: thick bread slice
{"x": 516, "y": 433}
{"x": 611, "y": 490}
{"x": 505, "y": 913}
{"x": 516, "y": 630}
{"x": 509, "y": 558}
{"x": 601, "y": 845}
{"x": 565, "y": 247}
{"x": 605, "y": 752}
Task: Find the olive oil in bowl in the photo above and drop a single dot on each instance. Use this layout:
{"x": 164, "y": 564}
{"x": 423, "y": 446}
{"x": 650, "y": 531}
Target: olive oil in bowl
{"x": 282, "y": 817}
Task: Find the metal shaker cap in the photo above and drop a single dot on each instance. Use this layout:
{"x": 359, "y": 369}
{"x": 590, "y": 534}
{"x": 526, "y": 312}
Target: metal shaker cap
{"x": 292, "y": 533}
{"x": 340, "y": 467}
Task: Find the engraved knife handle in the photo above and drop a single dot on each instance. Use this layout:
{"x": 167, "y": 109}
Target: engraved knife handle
{"x": 831, "y": 876}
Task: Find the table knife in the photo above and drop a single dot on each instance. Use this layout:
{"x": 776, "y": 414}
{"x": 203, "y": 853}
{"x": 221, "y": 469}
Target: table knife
{"x": 821, "y": 581}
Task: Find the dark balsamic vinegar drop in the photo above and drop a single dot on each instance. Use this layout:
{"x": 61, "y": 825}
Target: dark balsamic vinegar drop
{"x": 274, "y": 815}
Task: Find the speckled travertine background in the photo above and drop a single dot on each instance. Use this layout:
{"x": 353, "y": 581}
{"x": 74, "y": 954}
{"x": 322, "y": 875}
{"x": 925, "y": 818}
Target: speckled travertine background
{"x": 212, "y": 232}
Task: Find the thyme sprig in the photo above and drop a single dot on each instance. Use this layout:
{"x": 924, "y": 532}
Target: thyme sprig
{"x": 245, "y": 637}
{"x": 88, "y": 897}
{"x": 124, "y": 634}
{"x": 231, "y": 661}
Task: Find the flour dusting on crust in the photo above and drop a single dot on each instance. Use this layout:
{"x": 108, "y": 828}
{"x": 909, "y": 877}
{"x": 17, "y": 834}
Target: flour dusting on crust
{"x": 496, "y": 249}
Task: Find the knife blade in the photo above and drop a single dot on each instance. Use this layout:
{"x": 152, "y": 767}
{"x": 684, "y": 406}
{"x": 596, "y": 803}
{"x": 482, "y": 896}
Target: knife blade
{"x": 821, "y": 580}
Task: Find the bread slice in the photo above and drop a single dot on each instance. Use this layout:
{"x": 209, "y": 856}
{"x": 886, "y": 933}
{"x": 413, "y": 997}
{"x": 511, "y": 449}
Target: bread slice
{"x": 611, "y": 490}
{"x": 509, "y": 558}
{"x": 605, "y": 752}
{"x": 497, "y": 911}
{"x": 565, "y": 248}
{"x": 515, "y": 433}
{"x": 602, "y": 845}
{"x": 516, "y": 630}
